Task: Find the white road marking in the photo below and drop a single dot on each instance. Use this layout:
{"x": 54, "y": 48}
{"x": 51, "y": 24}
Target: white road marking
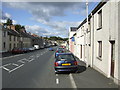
{"x": 57, "y": 81}
{"x": 56, "y": 74}
{"x": 15, "y": 64}
{"x": 5, "y": 68}
{"x": 21, "y": 61}
{"x": 31, "y": 60}
{"x": 72, "y": 81}
{"x": 15, "y": 68}
{"x": 7, "y": 64}
{"x": 12, "y": 56}
{"x": 38, "y": 55}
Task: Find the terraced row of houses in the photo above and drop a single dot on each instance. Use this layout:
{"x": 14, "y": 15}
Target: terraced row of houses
{"x": 97, "y": 42}
{"x": 10, "y": 39}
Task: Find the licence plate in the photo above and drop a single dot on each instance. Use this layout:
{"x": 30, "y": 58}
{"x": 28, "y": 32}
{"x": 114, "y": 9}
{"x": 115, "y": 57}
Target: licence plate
{"x": 66, "y": 64}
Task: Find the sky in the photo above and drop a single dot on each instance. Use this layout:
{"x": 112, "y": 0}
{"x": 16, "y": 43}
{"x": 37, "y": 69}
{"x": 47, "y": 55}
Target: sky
{"x": 46, "y": 18}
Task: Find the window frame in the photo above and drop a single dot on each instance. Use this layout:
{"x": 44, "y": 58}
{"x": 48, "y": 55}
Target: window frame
{"x": 99, "y": 22}
{"x": 100, "y": 49}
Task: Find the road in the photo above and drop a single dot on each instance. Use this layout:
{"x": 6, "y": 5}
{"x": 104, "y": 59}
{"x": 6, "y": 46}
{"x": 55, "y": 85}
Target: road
{"x": 36, "y": 70}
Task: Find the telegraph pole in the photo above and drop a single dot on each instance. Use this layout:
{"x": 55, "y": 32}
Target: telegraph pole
{"x": 87, "y": 53}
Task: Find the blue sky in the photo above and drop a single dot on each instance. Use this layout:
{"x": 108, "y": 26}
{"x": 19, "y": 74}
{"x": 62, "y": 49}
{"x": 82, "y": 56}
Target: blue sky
{"x": 49, "y": 18}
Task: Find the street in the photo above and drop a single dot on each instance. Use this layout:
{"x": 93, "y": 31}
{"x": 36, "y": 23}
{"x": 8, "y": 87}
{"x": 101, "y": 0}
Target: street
{"x": 36, "y": 70}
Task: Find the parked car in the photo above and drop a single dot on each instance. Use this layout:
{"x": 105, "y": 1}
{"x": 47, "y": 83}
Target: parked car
{"x": 51, "y": 49}
{"x": 59, "y": 50}
{"x": 17, "y": 50}
{"x": 65, "y": 62}
{"x": 31, "y": 49}
{"x": 25, "y": 50}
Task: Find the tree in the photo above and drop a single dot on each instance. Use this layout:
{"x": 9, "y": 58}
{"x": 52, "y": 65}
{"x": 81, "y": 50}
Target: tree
{"x": 9, "y": 22}
{"x": 19, "y": 28}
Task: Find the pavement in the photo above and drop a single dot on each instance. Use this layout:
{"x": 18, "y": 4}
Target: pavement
{"x": 36, "y": 70}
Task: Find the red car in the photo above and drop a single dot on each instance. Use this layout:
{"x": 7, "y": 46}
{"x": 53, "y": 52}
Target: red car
{"x": 17, "y": 50}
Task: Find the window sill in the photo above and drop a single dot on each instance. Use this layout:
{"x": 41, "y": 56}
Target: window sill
{"x": 99, "y": 28}
{"x": 99, "y": 58}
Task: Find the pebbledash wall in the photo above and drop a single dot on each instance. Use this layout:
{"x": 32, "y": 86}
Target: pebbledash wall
{"x": 99, "y": 47}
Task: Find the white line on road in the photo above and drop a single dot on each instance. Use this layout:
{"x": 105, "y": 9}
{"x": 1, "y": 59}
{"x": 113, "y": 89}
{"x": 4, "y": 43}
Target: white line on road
{"x": 56, "y": 74}
{"x": 7, "y": 64}
{"x": 5, "y": 68}
{"x": 57, "y": 81}
{"x": 21, "y": 61}
{"x": 72, "y": 81}
{"x": 31, "y": 59}
{"x": 15, "y": 64}
{"x": 15, "y": 68}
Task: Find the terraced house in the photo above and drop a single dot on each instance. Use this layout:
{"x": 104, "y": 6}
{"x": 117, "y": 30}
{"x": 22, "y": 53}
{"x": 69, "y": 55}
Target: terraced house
{"x": 13, "y": 39}
{"x": 96, "y": 42}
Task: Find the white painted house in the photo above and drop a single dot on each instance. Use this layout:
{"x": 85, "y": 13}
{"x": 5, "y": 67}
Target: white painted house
{"x": 98, "y": 45}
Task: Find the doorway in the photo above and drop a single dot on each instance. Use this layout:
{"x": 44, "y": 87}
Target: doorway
{"x": 112, "y": 57}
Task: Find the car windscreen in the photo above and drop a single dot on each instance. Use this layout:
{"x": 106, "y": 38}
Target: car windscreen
{"x": 67, "y": 57}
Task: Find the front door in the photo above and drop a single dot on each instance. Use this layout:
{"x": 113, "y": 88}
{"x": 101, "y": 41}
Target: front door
{"x": 112, "y": 57}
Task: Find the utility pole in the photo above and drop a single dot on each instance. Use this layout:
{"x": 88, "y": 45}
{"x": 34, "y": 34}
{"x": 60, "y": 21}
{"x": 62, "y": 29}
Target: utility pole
{"x": 87, "y": 48}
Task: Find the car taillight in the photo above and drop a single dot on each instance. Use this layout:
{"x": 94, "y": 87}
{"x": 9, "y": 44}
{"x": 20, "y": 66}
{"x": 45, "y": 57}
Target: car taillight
{"x": 56, "y": 64}
{"x": 75, "y": 63}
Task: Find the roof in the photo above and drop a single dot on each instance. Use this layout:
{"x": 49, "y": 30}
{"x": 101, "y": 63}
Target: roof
{"x": 12, "y": 32}
{"x": 103, "y": 2}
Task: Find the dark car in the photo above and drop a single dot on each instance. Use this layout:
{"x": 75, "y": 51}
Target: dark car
{"x": 25, "y": 50}
{"x": 17, "y": 51}
{"x": 65, "y": 62}
{"x": 59, "y": 50}
{"x": 51, "y": 49}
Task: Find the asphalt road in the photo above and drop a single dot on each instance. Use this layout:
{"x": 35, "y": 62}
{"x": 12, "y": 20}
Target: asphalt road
{"x": 36, "y": 70}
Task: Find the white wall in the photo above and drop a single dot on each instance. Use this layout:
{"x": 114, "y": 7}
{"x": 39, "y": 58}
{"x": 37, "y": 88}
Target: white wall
{"x": 0, "y": 39}
{"x": 107, "y": 33}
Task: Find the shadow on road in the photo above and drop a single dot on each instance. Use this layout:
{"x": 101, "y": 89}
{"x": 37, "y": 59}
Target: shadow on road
{"x": 81, "y": 69}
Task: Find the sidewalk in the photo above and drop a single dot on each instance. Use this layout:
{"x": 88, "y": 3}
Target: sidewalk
{"x": 90, "y": 78}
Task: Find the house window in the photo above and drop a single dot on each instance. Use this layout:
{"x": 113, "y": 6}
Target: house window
{"x": 4, "y": 45}
{"x": 18, "y": 45}
{"x": 18, "y": 38}
{"x": 100, "y": 49}
{"x": 4, "y": 34}
{"x": 100, "y": 19}
{"x": 10, "y": 46}
{"x": 10, "y": 37}
{"x": 14, "y": 45}
{"x": 14, "y": 38}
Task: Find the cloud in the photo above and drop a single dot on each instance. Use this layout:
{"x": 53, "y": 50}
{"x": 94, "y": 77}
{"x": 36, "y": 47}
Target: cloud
{"x": 5, "y": 15}
{"x": 44, "y": 12}
{"x": 36, "y": 29}
{"x": 14, "y": 21}
{"x": 5, "y": 20}
{"x": 56, "y": 28}
{"x": 47, "y": 10}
